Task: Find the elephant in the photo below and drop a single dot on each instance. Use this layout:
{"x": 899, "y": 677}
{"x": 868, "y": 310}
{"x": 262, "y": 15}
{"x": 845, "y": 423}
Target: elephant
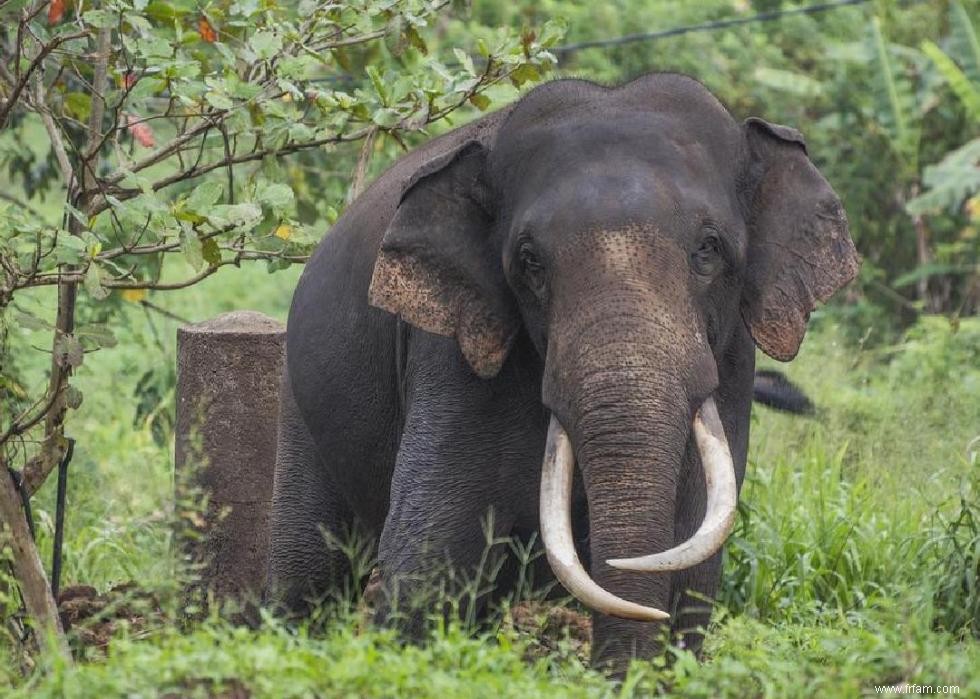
{"x": 551, "y": 314}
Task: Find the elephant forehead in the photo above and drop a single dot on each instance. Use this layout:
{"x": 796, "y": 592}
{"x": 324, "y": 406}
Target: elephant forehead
{"x": 629, "y": 259}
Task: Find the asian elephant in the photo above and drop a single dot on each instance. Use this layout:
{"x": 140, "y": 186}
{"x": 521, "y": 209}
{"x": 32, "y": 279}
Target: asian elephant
{"x": 580, "y": 279}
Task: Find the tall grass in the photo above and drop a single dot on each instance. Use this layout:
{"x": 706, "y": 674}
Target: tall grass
{"x": 854, "y": 561}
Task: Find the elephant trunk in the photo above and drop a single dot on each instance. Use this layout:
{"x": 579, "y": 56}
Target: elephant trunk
{"x": 629, "y": 434}
{"x": 626, "y": 385}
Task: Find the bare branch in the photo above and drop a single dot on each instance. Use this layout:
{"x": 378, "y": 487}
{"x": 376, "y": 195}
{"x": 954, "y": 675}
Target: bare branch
{"x": 165, "y": 152}
{"x": 197, "y": 170}
{"x": 46, "y": 49}
{"x": 351, "y": 41}
{"x": 57, "y": 142}
{"x": 24, "y": 423}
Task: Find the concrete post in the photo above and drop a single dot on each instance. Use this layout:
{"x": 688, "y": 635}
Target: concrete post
{"x": 228, "y": 372}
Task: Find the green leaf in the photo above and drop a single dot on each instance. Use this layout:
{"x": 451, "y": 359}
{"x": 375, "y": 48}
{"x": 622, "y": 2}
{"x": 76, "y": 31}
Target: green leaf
{"x": 234, "y": 214}
{"x": 962, "y": 87}
{"x": 296, "y": 67}
{"x": 416, "y": 40}
{"x": 379, "y": 84}
{"x": 73, "y": 397}
{"x": 385, "y": 117}
{"x": 78, "y": 105}
{"x": 963, "y": 36}
{"x": 76, "y": 214}
{"x": 265, "y": 44}
{"x": 950, "y": 181}
{"x": 219, "y": 100}
{"x": 164, "y": 12}
{"x": 301, "y": 133}
{"x": 524, "y": 73}
{"x": 465, "y": 60}
{"x": 190, "y": 244}
{"x": 103, "y": 19}
{"x": 480, "y": 101}
{"x": 394, "y": 37}
{"x": 278, "y": 197}
{"x": 70, "y": 249}
{"x": 155, "y": 47}
{"x": 553, "y": 31}
{"x": 204, "y": 195}
{"x": 788, "y": 81}
{"x": 98, "y": 334}
{"x": 29, "y": 321}
{"x": 240, "y": 89}
{"x": 931, "y": 269}
{"x": 210, "y": 252}
{"x": 93, "y": 282}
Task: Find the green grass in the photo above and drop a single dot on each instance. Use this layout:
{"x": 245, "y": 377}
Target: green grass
{"x": 854, "y": 563}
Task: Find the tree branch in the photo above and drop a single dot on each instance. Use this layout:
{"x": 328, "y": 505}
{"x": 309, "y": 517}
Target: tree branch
{"x": 53, "y": 446}
{"x": 46, "y": 49}
{"x": 197, "y": 170}
{"x": 28, "y": 569}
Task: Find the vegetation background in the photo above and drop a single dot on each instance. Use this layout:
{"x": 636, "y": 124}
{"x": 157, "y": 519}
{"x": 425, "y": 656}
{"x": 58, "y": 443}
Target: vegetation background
{"x": 856, "y": 557}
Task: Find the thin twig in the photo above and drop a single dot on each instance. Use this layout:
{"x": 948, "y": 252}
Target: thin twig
{"x": 57, "y": 142}
{"x": 197, "y": 170}
{"x": 46, "y": 49}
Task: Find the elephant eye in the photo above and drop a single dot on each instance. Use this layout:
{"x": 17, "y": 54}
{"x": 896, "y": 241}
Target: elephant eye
{"x": 531, "y": 267}
{"x": 707, "y": 258}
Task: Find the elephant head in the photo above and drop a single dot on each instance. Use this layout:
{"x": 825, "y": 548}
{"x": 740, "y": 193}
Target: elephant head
{"x": 631, "y": 233}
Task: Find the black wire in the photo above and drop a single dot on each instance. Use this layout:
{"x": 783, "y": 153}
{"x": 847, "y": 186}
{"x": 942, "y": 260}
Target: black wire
{"x": 661, "y": 34}
{"x": 59, "y": 519}
{"x": 705, "y": 26}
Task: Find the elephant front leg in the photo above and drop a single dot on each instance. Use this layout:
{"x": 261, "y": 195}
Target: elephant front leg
{"x": 304, "y": 570}
{"x": 694, "y": 589}
{"x": 436, "y": 549}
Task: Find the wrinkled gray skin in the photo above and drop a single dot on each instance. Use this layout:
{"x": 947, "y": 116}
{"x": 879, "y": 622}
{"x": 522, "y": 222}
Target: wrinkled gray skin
{"x": 609, "y": 255}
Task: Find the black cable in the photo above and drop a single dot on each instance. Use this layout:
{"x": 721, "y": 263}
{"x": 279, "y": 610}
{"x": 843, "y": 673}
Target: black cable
{"x": 705, "y": 26}
{"x": 661, "y": 34}
{"x": 59, "y": 519}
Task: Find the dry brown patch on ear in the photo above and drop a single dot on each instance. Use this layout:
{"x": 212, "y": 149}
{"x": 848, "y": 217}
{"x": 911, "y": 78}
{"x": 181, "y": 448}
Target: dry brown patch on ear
{"x": 401, "y": 284}
{"x": 405, "y": 285}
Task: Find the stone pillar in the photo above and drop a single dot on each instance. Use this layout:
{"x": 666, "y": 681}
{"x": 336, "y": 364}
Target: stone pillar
{"x": 228, "y": 373}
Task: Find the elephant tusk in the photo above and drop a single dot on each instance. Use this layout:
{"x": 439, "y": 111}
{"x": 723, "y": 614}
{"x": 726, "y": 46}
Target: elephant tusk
{"x": 556, "y": 533}
{"x": 719, "y": 477}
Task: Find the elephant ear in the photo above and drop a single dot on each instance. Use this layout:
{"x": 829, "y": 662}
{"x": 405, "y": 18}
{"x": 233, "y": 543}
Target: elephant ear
{"x": 800, "y": 251}
{"x": 436, "y": 266}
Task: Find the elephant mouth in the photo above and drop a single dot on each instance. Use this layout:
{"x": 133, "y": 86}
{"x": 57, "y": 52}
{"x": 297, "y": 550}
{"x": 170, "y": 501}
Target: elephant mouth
{"x": 556, "y": 518}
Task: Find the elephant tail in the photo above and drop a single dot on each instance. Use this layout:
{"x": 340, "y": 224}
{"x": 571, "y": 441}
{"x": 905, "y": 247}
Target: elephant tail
{"x": 773, "y": 389}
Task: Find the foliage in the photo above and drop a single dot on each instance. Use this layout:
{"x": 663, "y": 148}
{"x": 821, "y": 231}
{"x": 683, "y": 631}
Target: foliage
{"x": 865, "y": 87}
{"x": 818, "y": 584}
{"x": 855, "y": 560}
{"x": 168, "y": 126}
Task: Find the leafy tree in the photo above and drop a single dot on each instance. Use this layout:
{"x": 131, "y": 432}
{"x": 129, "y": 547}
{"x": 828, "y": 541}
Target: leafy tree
{"x": 162, "y": 130}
